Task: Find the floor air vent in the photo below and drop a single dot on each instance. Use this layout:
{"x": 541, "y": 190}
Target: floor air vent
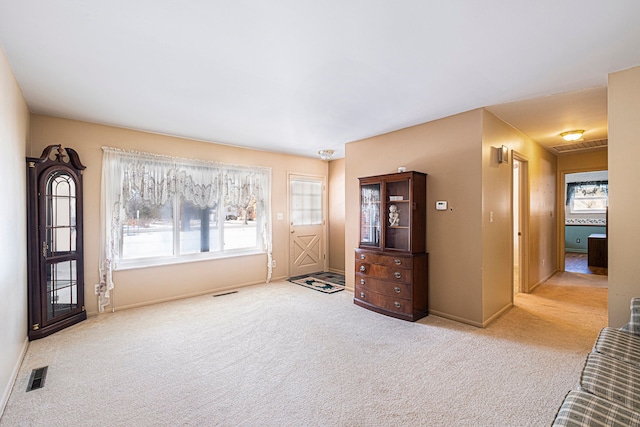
{"x": 225, "y": 293}
{"x": 36, "y": 380}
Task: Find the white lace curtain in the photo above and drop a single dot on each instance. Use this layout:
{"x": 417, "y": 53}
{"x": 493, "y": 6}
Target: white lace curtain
{"x": 156, "y": 179}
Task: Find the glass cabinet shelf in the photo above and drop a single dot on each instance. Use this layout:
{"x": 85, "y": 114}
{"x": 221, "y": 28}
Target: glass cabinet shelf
{"x": 392, "y": 212}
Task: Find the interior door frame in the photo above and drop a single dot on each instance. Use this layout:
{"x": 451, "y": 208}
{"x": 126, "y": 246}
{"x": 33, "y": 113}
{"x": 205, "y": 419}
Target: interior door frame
{"x": 524, "y": 212}
{"x": 324, "y": 236}
{"x": 560, "y": 191}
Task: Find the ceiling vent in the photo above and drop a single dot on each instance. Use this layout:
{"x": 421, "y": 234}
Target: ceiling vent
{"x": 583, "y": 145}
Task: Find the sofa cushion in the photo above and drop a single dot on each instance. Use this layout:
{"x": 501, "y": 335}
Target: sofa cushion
{"x": 580, "y": 408}
{"x": 619, "y": 344}
{"x": 612, "y": 379}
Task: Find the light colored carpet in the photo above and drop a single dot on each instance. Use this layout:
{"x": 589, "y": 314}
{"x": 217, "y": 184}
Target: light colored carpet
{"x": 284, "y": 355}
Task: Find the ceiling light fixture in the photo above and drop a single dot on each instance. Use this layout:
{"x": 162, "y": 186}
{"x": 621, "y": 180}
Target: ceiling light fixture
{"x": 325, "y": 154}
{"x": 572, "y": 135}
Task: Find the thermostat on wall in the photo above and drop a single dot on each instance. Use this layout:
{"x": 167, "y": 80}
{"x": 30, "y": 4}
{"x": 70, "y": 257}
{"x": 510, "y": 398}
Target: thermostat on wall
{"x": 441, "y": 206}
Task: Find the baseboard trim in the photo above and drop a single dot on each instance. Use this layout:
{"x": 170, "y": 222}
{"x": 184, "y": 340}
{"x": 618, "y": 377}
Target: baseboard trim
{"x": 455, "y": 318}
{"x": 498, "y": 314}
{"x": 14, "y": 376}
{"x": 185, "y": 296}
{"x": 541, "y": 281}
{"x": 336, "y": 271}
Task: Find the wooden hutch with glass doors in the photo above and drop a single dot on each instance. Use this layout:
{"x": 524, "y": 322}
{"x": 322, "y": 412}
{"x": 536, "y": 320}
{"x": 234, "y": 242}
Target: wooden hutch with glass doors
{"x": 391, "y": 265}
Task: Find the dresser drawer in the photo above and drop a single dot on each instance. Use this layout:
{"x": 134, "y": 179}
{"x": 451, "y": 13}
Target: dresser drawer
{"x": 383, "y": 259}
{"x": 384, "y": 287}
{"x": 392, "y": 274}
{"x": 385, "y": 302}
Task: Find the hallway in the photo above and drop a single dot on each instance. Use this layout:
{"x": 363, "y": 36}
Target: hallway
{"x": 576, "y": 296}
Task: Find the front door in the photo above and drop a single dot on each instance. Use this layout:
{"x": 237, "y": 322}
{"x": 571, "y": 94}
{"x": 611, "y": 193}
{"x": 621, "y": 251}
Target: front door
{"x": 307, "y": 225}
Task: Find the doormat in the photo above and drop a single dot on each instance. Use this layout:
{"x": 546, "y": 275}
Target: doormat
{"x": 317, "y": 284}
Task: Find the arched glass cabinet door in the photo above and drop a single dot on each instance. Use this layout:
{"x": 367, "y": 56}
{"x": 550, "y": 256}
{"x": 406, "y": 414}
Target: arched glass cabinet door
{"x": 55, "y": 259}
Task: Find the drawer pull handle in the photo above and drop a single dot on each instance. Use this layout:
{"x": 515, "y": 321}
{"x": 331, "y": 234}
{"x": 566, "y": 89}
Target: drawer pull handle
{"x": 362, "y": 256}
{"x": 362, "y": 281}
{"x": 398, "y": 275}
{"x": 397, "y": 289}
{"x": 397, "y": 304}
{"x": 397, "y": 261}
{"x": 362, "y": 268}
{"x": 361, "y": 294}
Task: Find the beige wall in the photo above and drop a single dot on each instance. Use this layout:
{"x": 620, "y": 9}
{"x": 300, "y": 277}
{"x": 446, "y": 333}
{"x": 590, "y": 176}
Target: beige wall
{"x": 592, "y": 160}
{"x": 449, "y": 151}
{"x": 14, "y": 135}
{"x": 147, "y": 285}
{"x": 470, "y": 260}
{"x": 336, "y": 215}
{"x": 497, "y": 258}
{"x": 497, "y": 261}
{"x": 624, "y": 197}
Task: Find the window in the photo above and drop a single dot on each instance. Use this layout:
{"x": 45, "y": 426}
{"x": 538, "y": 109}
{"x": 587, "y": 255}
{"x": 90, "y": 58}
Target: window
{"x": 147, "y": 229}
{"x": 587, "y": 197}
{"x": 162, "y": 210}
{"x": 179, "y": 227}
{"x": 589, "y": 205}
{"x": 198, "y": 229}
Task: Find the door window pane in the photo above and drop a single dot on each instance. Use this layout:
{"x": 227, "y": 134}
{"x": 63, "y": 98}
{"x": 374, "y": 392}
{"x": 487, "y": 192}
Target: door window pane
{"x": 306, "y": 202}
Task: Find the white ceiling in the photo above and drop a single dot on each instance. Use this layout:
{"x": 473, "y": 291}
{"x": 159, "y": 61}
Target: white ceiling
{"x": 296, "y": 76}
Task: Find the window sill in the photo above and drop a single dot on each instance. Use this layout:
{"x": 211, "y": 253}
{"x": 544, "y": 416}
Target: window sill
{"x": 185, "y": 259}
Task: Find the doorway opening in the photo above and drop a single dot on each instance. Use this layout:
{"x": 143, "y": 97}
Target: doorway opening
{"x": 520, "y": 226}
{"x": 585, "y": 222}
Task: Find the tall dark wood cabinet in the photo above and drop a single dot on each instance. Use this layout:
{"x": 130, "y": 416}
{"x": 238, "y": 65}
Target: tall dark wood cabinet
{"x": 54, "y": 241}
{"x": 391, "y": 265}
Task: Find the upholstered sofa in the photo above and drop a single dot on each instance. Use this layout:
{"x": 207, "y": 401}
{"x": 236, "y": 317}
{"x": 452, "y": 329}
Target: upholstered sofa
{"x": 608, "y": 393}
